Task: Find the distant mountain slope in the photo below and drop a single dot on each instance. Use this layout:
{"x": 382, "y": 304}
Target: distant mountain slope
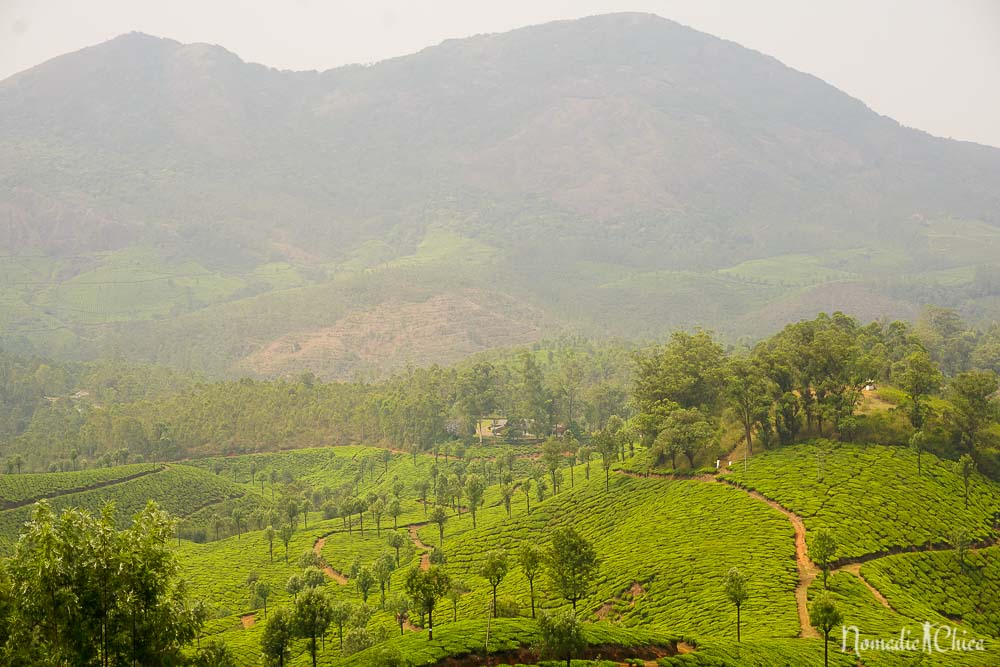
{"x": 619, "y": 173}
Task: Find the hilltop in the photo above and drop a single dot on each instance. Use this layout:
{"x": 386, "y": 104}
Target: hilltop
{"x": 618, "y": 174}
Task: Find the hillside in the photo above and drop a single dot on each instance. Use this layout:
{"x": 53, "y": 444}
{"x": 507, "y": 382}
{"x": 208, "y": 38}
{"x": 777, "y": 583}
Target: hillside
{"x": 618, "y": 174}
{"x": 663, "y": 545}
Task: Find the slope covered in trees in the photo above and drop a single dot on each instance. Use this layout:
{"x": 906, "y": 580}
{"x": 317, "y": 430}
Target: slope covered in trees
{"x": 616, "y": 174}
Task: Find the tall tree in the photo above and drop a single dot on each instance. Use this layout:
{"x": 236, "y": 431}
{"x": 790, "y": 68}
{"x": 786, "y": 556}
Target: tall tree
{"x": 822, "y": 550}
{"x": 493, "y": 570}
{"x": 824, "y": 616}
{"x": 396, "y": 541}
{"x": 531, "y": 558}
{"x": 340, "y": 613}
{"x": 286, "y": 533}
{"x": 439, "y": 517}
{"x": 966, "y": 467}
{"x": 134, "y": 609}
{"x": 571, "y": 562}
{"x": 749, "y": 394}
{"x": 918, "y": 377}
{"x": 738, "y": 592}
{"x": 426, "y": 588}
{"x": 474, "y": 489}
{"x": 312, "y": 617}
{"x": 276, "y": 642}
{"x": 382, "y": 570}
{"x": 562, "y": 635}
{"x": 269, "y": 535}
{"x": 689, "y": 431}
{"x": 552, "y": 455}
{"x": 970, "y": 394}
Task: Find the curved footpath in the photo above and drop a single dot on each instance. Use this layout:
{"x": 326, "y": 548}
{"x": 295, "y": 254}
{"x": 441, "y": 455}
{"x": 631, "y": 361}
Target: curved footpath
{"x": 330, "y": 572}
{"x": 425, "y": 557}
{"x": 808, "y": 570}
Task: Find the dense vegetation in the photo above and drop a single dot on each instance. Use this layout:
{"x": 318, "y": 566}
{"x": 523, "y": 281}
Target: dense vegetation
{"x": 484, "y": 192}
{"x": 594, "y": 524}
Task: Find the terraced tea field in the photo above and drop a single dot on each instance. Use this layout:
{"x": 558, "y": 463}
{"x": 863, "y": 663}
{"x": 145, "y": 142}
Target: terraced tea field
{"x": 664, "y": 546}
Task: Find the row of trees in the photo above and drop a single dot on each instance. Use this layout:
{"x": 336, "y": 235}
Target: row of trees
{"x": 571, "y": 383}
{"x": 808, "y": 380}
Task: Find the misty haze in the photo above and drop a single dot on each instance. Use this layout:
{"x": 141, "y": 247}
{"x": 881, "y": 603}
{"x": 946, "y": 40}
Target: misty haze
{"x": 600, "y": 341}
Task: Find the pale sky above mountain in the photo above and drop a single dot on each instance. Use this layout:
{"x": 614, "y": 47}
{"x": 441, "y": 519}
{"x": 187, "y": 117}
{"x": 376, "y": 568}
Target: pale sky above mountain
{"x": 927, "y": 63}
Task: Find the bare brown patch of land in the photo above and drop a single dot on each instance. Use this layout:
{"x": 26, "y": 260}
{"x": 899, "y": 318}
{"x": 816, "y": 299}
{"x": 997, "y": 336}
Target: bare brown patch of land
{"x": 441, "y": 329}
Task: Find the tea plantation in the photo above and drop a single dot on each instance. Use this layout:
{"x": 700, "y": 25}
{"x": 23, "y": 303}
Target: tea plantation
{"x": 663, "y": 545}
{"x": 871, "y": 495}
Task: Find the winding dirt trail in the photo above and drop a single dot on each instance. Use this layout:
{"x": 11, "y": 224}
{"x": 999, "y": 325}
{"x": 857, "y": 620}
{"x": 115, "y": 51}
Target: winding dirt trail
{"x": 855, "y": 569}
{"x": 330, "y": 572}
{"x": 807, "y": 568}
{"x": 425, "y": 557}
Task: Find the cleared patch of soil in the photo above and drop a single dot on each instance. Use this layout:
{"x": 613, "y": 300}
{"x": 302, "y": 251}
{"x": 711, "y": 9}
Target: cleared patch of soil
{"x": 441, "y": 329}
{"x": 248, "y": 620}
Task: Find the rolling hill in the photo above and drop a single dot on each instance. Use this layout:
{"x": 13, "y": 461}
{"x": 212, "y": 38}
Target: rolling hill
{"x": 618, "y": 174}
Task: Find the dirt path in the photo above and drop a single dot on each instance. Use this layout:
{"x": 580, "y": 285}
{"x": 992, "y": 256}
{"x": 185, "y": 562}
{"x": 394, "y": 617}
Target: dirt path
{"x": 425, "y": 558}
{"x": 12, "y": 505}
{"x": 807, "y": 569}
{"x": 855, "y": 569}
{"x": 330, "y": 572}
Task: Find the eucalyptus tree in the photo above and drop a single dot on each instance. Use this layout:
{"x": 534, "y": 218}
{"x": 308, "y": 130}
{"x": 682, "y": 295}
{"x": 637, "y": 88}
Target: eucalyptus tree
{"x": 531, "y": 559}
{"x": 824, "y": 616}
{"x": 440, "y": 517}
{"x": 571, "y": 561}
{"x": 822, "y": 550}
{"x": 425, "y": 588}
{"x": 737, "y": 590}
{"x": 475, "y": 487}
{"x": 312, "y": 618}
{"x": 494, "y": 569}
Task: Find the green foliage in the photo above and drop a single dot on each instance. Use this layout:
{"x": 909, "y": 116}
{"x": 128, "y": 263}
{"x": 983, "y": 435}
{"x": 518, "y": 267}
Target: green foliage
{"x": 571, "y": 562}
{"x": 28, "y": 487}
{"x": 277, "y": 638}
{"x": 74, "y": 577}
{"x": 824, "y": 616}
{"x": 494, "y": 569}
{"x": 675, "y": 577}
{"x": 871, "y": 496}
{"x": 562, "y": 635}
{"x": 425, "y": 588}
{"x": 738, "y": 592}
{"x": 822, "y": 550}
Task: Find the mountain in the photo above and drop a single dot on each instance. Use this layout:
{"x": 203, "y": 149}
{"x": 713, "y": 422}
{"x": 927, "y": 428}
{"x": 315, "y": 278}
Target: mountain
{"x": 613, "y": 175}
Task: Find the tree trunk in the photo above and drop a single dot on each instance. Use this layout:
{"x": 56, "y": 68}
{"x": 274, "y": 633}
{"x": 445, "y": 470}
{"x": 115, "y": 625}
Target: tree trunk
{"x": 531, "y": 586}
{"x": 749, "y": 431}
{"x": 738, "y": 623}
{"x": 430, "y": 624}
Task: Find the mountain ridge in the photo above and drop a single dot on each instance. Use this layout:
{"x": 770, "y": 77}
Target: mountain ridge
{"x": 621, "y": 173}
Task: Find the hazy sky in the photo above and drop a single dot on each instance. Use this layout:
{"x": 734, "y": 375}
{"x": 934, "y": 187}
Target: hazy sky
{"x": 932, "y": 64}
